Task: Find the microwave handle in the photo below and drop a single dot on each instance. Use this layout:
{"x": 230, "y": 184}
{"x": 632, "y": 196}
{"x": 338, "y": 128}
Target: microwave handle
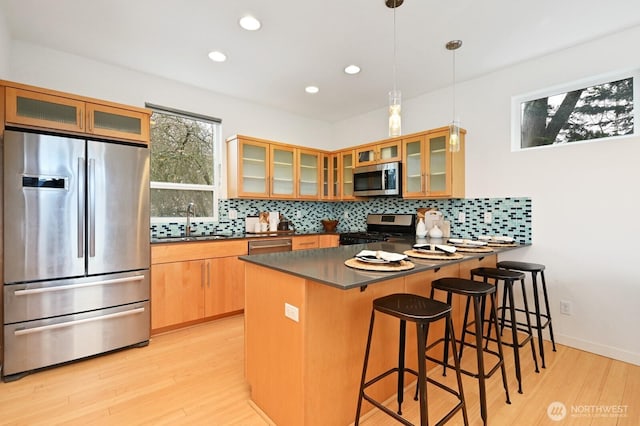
{"x": 385, "y": 178}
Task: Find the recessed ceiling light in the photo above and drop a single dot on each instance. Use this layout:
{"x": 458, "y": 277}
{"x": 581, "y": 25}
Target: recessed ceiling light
{"x": 217, "y": 56}
{"x": 311, "y": 89}
{"x": 352, "y": 69}
{"x": 250, "y": 23}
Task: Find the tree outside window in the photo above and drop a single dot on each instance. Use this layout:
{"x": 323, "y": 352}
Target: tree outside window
{"x": 594, "y": 112}
{"x": 182, "y": 164}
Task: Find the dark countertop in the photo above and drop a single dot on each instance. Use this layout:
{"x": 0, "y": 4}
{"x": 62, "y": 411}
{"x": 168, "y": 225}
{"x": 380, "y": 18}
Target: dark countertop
{"x": 222, "y": 237}
{"x": 327, "y": 265}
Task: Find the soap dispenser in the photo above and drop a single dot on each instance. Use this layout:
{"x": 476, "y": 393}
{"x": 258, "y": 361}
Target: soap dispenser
{"x": 435, "y": 232}
{"x": 421, "y": 228}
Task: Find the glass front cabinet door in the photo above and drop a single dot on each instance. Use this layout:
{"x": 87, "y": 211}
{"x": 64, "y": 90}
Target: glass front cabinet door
{"x": 430, "y": 170}
{"x": 346, "y": 175}
{"x": 309, "y": 173}
{"x": 108, "y": 121}
{"x": 44, "y": 110}
{"x": 253, "y": 168}
{"x": 282, "y": 171}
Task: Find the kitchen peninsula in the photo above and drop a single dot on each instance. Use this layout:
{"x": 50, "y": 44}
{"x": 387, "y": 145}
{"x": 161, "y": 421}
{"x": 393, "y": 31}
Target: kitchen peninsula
{"x": 306, "y": 323}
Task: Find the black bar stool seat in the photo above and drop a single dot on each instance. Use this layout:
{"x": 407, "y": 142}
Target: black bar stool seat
{"x": 477, "y": 292}
{"x": 421, "y": 311}
{"x": 543, "y": 319}
{"x": 508, "y": 278}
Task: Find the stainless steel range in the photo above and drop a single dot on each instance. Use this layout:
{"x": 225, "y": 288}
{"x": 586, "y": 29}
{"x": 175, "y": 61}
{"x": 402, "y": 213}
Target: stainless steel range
{"x": 76, "y": 249}
{"x": 383, "y": 227}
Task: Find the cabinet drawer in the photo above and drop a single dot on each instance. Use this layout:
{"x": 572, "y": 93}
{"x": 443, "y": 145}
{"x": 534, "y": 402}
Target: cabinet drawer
{"x": 24, "y": 302}
{"x": 46, "y": 342}
{"x": 305, "y": 242}
{"x": 178, "y": 252}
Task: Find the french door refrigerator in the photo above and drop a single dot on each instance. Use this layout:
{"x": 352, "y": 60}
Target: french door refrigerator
{"x": 76, "y": 249}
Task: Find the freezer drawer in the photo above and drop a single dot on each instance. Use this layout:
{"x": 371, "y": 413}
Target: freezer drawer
{"x": 26, "y": 302}
{"x": 35, "y": 344}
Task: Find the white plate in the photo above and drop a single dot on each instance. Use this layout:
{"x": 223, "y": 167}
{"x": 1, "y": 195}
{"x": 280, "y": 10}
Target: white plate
{"x": 369, "y": 260}
{"x": 466, "y": 242}
{"x": 496, "y": 238}
{"x": 380, "y": 256}
{"x": 445, "y": 248}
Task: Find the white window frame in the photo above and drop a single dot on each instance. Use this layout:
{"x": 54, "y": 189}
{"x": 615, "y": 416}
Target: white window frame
{"x": 217, "y": 166}
{"x": 516, "y": 102}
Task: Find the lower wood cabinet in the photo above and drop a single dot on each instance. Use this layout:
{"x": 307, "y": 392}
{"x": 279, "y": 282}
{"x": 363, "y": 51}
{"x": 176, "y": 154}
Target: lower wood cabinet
{"x": 328, "y": 240}
{"x": 190, "y": 285}
{"x": 304, "y": 242}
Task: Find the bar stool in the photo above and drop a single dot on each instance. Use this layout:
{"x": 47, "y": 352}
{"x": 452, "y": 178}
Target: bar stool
{"x": 508, "y": 278}
{"x": 534, "y": 269}
{"x": 477, "y": 292}
{"x": 422, "y": 311}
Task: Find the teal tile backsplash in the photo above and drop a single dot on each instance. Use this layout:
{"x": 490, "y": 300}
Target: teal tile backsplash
{"x": 510, "y": 216}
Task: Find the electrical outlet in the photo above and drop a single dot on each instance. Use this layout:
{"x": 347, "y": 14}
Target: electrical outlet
{"x": 566, "y": 307}
{"x": 233, "y": 214}
{"x": 488, "y": 217}
{"x": 291, "y": 312}
{"x": 299, "y": 214}
{"x": 346, "y": 214}
{"x": 461, "y": 217}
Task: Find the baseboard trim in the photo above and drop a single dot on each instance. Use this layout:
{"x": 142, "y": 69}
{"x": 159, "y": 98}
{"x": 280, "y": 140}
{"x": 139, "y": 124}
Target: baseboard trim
{"x": 598, "y": 349}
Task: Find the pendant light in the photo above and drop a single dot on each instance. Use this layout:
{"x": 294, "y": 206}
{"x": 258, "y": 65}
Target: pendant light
{"x": 395, "y": 96}
{"x": 454, "y": 127}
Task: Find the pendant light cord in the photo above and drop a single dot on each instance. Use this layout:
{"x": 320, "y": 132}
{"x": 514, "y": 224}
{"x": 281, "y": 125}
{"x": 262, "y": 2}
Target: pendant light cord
{"x": 395, "y": 6}
{"x": 453, "y": 72}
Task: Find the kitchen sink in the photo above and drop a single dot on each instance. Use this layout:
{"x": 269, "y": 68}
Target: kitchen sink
{"x": 170, "y": 239}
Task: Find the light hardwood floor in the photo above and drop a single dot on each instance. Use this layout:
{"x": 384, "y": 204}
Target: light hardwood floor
{"x": 195, "y": 376}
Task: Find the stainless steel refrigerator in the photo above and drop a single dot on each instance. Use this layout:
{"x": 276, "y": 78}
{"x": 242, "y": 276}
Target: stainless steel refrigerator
{"x": 76, "y": 249}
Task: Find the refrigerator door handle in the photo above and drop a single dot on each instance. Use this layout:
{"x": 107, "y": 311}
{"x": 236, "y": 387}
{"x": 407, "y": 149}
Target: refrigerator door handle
{"x": 80, "y": 207}
{"x": 76, "y": 322}
{"x": 72, "y": 286}
{"x": 91, "y": 186}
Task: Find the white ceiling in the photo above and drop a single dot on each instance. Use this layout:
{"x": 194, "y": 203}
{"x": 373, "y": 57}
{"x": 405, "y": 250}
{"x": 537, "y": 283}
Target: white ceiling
{"x": 304, "y": 42}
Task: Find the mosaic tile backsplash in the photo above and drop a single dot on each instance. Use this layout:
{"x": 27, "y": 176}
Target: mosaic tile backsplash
{"x": 510, "y": 216}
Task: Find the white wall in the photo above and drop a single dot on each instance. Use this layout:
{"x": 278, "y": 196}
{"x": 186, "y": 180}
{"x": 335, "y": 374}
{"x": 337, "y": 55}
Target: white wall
{"x": 5, "y": 42}
{"x": 585, "y": 197}
{"x": 38, "y": 66}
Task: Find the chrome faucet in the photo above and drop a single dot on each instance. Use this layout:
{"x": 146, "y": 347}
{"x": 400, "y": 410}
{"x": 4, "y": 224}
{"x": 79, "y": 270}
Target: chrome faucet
{"x": 191, "y": 207}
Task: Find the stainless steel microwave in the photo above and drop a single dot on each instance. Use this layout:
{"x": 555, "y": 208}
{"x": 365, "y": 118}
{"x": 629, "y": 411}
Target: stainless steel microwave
{"x": 377, "y": 179}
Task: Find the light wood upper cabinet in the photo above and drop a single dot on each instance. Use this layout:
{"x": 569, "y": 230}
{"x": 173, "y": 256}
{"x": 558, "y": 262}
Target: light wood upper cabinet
{"x": 429, "y": 169}
{"x": 326, "y": 178}
{"x": 114, "y": 122}
{"x": 283, "y": 171}
{"x": 263, "y": 169}
{"x": 346, "y": 164}
{"x": 381, "y": 152}
{"x": 34, "y": 107}
{"x": 248, "y": 168}
{"x": 257, "y": 168}
{"x": 310, "y": 164}
{"x": 42, "y": 110}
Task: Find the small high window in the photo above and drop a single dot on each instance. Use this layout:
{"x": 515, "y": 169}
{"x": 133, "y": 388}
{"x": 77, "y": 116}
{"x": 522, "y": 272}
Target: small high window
{"x": 575, "y": 113}
{"x": 184, "y": 152}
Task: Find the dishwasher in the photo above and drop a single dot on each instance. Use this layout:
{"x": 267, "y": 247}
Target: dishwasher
{"x": 272, "y": 245}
